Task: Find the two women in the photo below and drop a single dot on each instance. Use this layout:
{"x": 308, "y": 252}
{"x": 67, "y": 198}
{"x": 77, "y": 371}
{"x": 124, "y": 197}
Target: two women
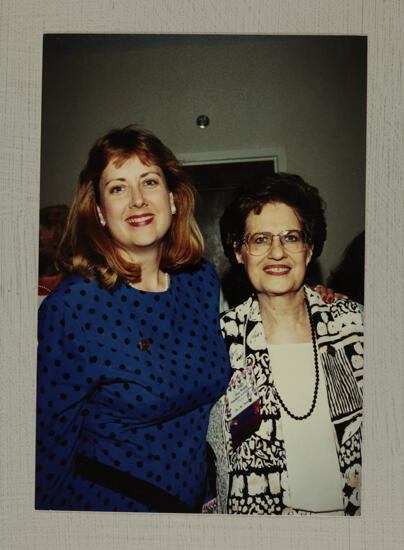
{"x": 287, "y": 432}
{"x": 130, "y": 356}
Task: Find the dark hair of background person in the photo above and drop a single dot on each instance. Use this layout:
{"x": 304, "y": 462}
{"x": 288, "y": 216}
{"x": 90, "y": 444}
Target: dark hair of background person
{"x": 52, "y": 223}
{"x": 348, "y": 277}
{"x": 87, "y": 247}
{"x": 280, "y": 187}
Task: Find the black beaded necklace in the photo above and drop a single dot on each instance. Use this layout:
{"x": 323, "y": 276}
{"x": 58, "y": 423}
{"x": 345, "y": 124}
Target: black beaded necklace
{"x": 313, "y": 403}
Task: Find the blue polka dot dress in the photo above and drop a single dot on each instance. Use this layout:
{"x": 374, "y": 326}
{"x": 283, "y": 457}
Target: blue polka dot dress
{"x": 126, "y": 380}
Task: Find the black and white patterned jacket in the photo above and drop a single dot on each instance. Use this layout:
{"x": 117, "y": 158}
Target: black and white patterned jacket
{"x": 251, "y": 475}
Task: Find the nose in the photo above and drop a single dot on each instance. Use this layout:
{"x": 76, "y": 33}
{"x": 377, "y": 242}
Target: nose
{"x": 136, "y": 197}
{"x": 276, "y": 250}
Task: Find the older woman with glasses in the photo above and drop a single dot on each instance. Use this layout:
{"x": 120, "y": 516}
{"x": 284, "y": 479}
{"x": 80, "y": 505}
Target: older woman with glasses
{"x": 287, "y": 432}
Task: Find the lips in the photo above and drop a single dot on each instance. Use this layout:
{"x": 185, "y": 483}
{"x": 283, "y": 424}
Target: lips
{"x": 140, "y": 220}
{"x": 276, "y": 270}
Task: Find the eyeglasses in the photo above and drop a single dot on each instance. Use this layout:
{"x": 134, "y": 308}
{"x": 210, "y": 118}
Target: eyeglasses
{"x": 292, "y": 240}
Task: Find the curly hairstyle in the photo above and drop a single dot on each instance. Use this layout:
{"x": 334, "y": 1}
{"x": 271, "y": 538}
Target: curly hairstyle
{"x": 88, "y": 249}
{"x": 285, "y": 188}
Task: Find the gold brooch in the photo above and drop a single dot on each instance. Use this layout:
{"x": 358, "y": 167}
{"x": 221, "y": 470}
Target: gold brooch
{"x": 144, "y": 344}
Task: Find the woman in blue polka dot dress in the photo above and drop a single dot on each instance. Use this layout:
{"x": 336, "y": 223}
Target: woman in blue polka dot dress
{"x": 130, "y": 357}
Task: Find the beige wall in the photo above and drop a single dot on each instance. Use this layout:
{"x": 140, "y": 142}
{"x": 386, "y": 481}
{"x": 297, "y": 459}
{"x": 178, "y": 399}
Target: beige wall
{"x": 304, "y": 94}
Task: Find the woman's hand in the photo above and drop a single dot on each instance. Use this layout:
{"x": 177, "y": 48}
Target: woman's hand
{"x": 328, "y": 294}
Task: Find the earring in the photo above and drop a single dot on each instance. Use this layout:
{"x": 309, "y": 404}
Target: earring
{"x": 101, "y": 217}
{"x": 172, "y": 204}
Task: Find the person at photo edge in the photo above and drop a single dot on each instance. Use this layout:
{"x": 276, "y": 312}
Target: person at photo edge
{"x": 287, "y": 433}
{"x": 52, "y": 221}
{"x": 130, "y": 356}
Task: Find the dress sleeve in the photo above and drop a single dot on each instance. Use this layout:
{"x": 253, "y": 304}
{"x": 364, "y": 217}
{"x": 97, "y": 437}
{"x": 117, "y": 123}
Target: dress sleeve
{"x": 210, "y": 291}
{"x": 64, "y": 380}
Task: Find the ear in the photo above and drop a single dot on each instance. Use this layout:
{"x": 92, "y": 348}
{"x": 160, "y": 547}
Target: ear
{"x": 101, "y": 216}
{"x": 237, "y": 253}
{"x": 309, "y": 255}
{"x": 172, "y": 203}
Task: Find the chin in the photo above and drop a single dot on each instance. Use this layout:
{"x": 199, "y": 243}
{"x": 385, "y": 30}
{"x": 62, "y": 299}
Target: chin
{"x": 144, "y": 241}
{"x": 280, "y": 289}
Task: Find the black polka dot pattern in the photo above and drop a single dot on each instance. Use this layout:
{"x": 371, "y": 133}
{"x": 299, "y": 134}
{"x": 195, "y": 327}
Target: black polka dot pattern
{"x": 128, "y": 378}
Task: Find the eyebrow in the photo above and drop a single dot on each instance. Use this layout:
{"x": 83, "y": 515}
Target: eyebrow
{"x": 148, "y": 173}
{"x": 270, "y": 232}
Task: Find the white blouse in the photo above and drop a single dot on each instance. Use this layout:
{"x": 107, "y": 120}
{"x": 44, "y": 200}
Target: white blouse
{"x": 311, "y": 456}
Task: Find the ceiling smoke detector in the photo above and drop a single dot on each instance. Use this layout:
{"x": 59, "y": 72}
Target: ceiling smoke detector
{"x": 202, "y": 121}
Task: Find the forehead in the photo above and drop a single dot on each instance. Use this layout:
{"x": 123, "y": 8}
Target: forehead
{"x": 274, "y": 217}
{"x": 133, "y": 165}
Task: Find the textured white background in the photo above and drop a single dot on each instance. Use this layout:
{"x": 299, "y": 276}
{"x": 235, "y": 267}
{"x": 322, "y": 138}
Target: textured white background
{"x": 22, "y": 24}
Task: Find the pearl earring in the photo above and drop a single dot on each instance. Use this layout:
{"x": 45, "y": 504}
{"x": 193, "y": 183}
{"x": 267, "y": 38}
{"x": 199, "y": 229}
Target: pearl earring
{"x": 172, "y": 204}
{"x": 101, "y": 217}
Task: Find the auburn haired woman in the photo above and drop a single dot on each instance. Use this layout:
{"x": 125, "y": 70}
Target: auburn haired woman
{"x": 130, "y": 358}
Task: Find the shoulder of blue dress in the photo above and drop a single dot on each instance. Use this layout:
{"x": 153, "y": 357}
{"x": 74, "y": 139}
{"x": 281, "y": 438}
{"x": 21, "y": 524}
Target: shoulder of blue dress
{"x": 76, "y": 286}
{"x": 206, "y": 265}
{"x": 203, "y": 270}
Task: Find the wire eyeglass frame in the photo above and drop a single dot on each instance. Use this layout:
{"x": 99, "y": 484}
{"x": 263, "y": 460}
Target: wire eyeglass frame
{"x": 260, "y": 249}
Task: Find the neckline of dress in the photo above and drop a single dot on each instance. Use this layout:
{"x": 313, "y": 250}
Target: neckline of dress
{"x": 167, "y": 285}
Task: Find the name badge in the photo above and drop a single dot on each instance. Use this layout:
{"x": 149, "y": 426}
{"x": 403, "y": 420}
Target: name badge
{"x": 242, "y": 407}
{"x": 240, "y": 393}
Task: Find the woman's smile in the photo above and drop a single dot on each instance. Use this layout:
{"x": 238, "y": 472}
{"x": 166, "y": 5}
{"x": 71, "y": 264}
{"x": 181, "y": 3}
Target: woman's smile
{"x": 140, "y": 220}
{"x": 276, "y": 270}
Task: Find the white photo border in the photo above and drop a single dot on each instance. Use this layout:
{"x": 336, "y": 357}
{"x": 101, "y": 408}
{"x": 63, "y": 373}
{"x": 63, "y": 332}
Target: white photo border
{"x": 22, "y": 25}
